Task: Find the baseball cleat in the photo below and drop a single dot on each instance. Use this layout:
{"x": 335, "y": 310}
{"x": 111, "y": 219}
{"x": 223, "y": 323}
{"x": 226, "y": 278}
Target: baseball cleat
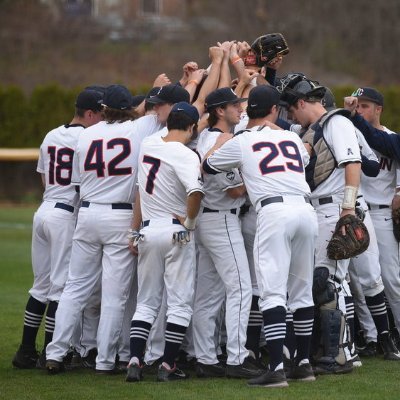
{"x": 333, "y": 368}
{"x": 25, "y": 357}
{"x": 245, "y": 370}
{"x": 270, "y": 379}
{"x": 302, "y": 372}
{"x": 210, "y": 370}
{"x": 135, "y": 373}
{"x": 369, "y": 350}
{"x": 390, "y": 351}
{"x": 166, "y": 375}
{"x": 54, "y": 367}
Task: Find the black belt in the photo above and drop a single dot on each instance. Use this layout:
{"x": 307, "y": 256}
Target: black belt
{"x": 209, "y": 210}
{"x": 379, "y": 206}
{"x": 325, "y": 200}
{"x": 244, "y": 209}
{"x": 277, "y": 199}
{"x": 114, "y": 206}
{"x": 147, "y": 222}
{"x": 66, "y": 207}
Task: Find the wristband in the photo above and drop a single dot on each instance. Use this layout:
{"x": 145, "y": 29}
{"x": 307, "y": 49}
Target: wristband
{"x": 190, "y": 223}
{"x": 235, "y": 59}
{"x": 350, "y": 197}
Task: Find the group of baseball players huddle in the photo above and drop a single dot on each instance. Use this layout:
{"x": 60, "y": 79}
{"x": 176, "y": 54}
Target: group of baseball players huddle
{"x": 177, "y": 226}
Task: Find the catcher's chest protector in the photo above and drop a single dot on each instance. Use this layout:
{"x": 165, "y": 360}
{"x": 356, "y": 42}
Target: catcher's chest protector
{"x": 322, "y": 162}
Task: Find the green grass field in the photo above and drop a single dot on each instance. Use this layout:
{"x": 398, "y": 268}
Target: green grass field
{"x": 377, "y": 379}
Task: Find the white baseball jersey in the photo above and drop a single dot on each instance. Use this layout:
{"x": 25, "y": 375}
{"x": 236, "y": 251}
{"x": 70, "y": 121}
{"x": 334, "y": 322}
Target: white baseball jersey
{"x": 107, "y": 157}
{"x": 380, "y": 190}
{"x": 276, "y": 151}
{"x": 55, "y": 162}
{"x": 340, "y": 134}
{"x": 215, "y": 186}
{"x": 161, "y": 195}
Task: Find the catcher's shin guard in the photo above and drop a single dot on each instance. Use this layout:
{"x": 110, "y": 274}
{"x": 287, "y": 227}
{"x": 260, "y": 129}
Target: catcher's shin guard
{"x": 332, "y": 334}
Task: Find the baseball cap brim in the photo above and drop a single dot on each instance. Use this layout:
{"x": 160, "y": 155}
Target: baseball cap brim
{"x": 155, "y": 100}
{"x": 221, "y": 103}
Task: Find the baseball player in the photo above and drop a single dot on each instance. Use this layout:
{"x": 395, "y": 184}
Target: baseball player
{"x": 223, "y": 267}
{"x": 333, "y": 175}
{"x": 51, "y": 244}
{"x": 169, "y": 187}
{"x": 106, "y": 160}
{"x": 286, "y": 228}
{"x": 369, "y": 106}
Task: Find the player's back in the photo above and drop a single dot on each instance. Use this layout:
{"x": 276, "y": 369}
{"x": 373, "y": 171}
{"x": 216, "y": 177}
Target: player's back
{"x": 215, "y": 186}
{"x": 55, "y": 162}
{"x": 273, "y": 163}
{"x": 107, "y": 156}
{"x": 167, "y": 172}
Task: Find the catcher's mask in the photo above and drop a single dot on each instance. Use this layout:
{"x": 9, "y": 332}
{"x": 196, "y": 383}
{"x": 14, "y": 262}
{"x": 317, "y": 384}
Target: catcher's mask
{"x": 294, "y": 87}
{"x": 269, "y": 46}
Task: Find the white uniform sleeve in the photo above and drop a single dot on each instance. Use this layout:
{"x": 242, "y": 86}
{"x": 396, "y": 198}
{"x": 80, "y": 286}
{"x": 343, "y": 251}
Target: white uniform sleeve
{"x": 40, "y": 164}
{"x": 227, "y": 157}
{"x": 303, "y": 151}
{"x": 229, "y": 180}
{"x": 341, "y": 136}
{"x": 188, "y": 172}
{"x": 76, "y": 176}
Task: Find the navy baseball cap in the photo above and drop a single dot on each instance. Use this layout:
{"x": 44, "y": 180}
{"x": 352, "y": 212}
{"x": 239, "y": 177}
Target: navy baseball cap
{"x": 89, "y": 100}
{"x": 222, "y": 96}
{"x": 370, "y": 94}
{"x": 118, "y": 97}
{"x": 172, "y": 94}
{"x": 138, "y": 99}
{"x": 187, "y": 109}
{"x": 263, "y": 97}
{"x": 97, "y": 88}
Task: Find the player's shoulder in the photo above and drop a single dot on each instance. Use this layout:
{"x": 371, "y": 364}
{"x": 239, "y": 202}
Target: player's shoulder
{"x": 63, "y": 134}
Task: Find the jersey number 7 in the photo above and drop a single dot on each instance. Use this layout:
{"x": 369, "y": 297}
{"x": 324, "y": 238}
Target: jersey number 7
{"x": 151, "y": 176}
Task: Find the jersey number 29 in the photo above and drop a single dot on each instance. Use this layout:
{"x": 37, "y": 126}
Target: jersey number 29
{"x": 287, "y": 149}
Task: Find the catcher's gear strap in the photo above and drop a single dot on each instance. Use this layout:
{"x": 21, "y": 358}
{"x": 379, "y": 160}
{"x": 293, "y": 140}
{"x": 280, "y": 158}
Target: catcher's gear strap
{"x": 322, "y": 161}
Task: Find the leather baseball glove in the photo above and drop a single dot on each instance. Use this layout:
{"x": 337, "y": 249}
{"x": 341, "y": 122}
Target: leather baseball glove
{"x": 396, "y": 223}
{"x": 353, "y": 243}
{"x": 269, "y": 46}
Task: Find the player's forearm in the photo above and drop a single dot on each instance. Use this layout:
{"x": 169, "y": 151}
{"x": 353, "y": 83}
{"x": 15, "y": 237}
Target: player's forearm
{"x": 193, "y": 204}
{"x": 352, "y": 174}
{"x": 236, "y": 192}
{"x": 137, "y": 213}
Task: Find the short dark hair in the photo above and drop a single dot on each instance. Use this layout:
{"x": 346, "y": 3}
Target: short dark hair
{"x": 213, "y": 117}
{"x": 258, "y": 113}
{"x": 112, "y": 115}
{"x": 179, "y": 121}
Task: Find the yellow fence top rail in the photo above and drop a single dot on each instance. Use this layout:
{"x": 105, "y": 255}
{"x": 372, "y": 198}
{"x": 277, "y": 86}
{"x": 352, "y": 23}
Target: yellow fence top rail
{"x": 19, "y": 154}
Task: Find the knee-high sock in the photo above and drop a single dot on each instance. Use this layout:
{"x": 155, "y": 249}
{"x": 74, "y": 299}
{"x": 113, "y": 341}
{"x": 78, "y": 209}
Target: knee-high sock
{"x": 33, "y": 317}
{"x": 303, "y": 321}
{"x": 138, "y": 338}
{"x": 50, "y": 322}
{"x": 275, "y": 332}
{"x": 377, "y": 307}
{"x": 174, "y": 335}
{"x": 254, "y": 328}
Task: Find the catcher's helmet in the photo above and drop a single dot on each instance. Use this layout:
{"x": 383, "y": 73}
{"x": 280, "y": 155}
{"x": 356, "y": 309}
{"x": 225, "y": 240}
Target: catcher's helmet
{"x": 297, "y": 86}
{"x": 269, "y": 46}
